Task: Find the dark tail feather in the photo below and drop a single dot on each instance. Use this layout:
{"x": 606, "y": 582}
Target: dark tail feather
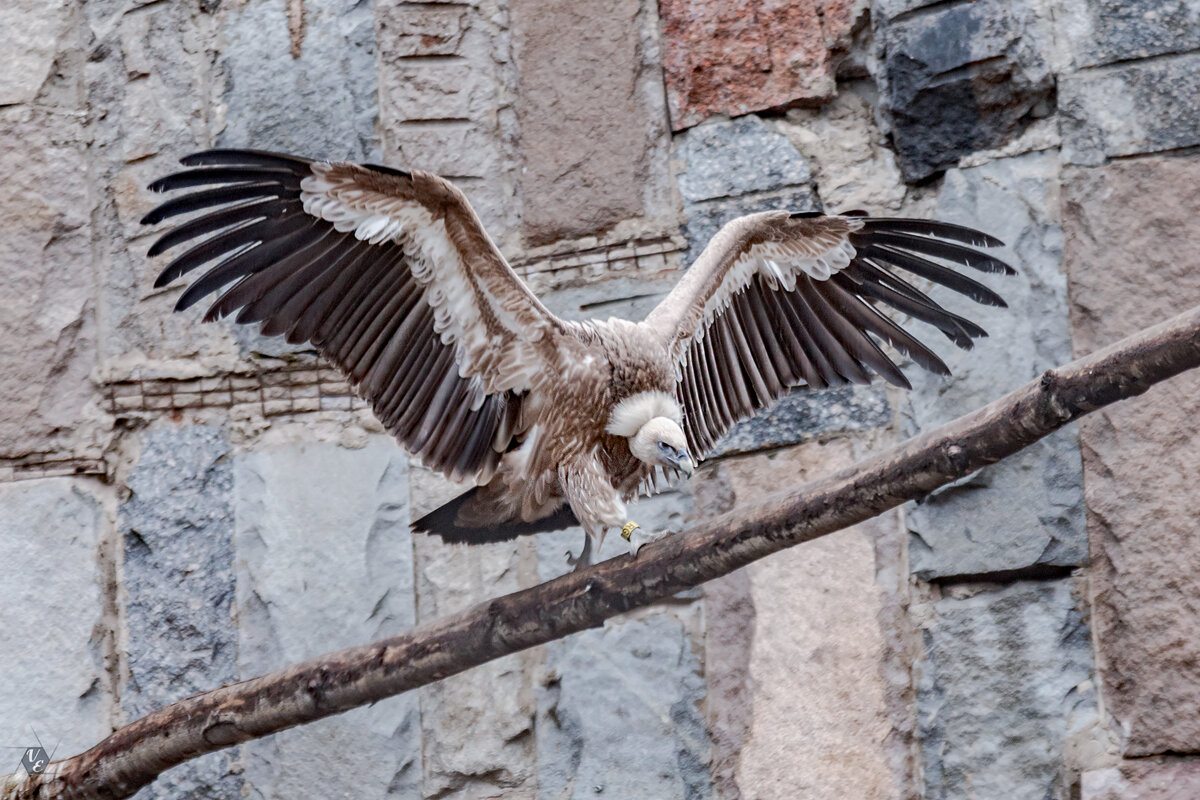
{"x": 441, "y": 522}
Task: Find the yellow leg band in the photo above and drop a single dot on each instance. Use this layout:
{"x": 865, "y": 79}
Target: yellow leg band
{"x": 629, "y": 528}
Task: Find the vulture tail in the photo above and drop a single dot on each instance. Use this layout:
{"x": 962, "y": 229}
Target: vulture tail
{"x": 441, "y": 521}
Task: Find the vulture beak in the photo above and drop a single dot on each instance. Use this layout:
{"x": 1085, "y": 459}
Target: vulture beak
{"x": 684, "y": 463}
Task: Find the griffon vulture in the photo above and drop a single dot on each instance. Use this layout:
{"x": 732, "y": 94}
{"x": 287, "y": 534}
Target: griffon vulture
{"x": 391, "y": 276}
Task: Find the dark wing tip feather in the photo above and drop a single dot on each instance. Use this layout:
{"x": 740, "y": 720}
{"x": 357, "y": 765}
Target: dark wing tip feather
{"x": 931, "y": 227}
{"x": 243, "y": 157}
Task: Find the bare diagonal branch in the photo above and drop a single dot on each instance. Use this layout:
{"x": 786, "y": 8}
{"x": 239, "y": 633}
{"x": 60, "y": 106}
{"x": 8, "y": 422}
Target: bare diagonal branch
{"x": 136, "y": 754}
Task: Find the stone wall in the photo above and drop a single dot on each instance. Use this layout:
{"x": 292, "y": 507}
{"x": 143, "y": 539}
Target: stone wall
{"x": 185, "y": 505}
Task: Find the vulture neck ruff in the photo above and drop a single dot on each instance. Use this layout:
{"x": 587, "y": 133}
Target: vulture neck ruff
{"x": 635, "y": 411}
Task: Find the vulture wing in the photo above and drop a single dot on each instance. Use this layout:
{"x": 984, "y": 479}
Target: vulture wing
{"x": 389, "y": 274}
{"x": 777, "y": 300}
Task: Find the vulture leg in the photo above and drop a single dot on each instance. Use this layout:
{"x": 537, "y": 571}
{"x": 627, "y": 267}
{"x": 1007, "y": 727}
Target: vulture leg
{"x": 637, "y": 536}
{"x": 591, "y": 546}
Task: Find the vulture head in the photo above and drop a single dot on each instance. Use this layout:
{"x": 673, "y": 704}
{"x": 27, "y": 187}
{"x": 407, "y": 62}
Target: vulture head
{"x": 661, "y": 443}
{"x": 651, "y": 421}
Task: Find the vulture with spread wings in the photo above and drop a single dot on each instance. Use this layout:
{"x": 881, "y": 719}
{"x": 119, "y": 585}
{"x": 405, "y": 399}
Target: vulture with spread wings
{"x": 391, "y": 276}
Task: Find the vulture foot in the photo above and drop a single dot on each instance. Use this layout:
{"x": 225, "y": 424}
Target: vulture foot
{"x": 637, "y": 536}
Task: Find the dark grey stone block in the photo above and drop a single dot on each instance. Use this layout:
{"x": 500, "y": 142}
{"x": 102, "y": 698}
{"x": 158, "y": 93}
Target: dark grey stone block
{"x": 962, "y": 78}
{"x": 803, "y": 414}
{"x": 1126, "y": 109}
{"x": 177, "y": 527}
{"x": 736, "y": 157}
{"x": 619, "y": 716}
{"x": 1026, "y": 512}
{"x": 1097, "y": 33}
{"x": 325, "y": 561}
{"x": 1004, "y": 683}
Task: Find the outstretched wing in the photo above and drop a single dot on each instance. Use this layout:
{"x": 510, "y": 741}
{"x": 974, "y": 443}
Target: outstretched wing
{"x": 777, "y": 300}
{"x": 388, "y": 273}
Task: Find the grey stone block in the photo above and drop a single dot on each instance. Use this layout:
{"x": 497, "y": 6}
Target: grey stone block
{"x": 1126, "y": 109}
{"x": 1005, "y": 682}
{"x": 177, "y": 527}
{"x": 737, "y": 167}
{"x": 321, "y": 103}
{"x": 962, "y": 78}
{"x": 51, "y": 619}
{"x": 1101, "y": 33}
{"x": 325, "y": 562}
{"x": 618, "y": 715}
{"x": 736, "y": 157}
{"x": 803, "y": 414}
{"x": 1026, "y": 511}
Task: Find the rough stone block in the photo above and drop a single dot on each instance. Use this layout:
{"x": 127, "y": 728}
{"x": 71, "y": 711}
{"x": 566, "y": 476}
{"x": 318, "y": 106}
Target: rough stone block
{"x": 456, "y": 148}
{"x": 963, "y": 77}
{"x": 460, "y": 123}
{"x": 1126, "y": 109}
{"x": 324, "y": 561}
{"x": 727, "y": 169}
{"x": 477, "y": 725}
{"x": 33, "y": 34}
{"x": 437, "y": 93}
{"x": 737, "y": 157}
{"x": 304, "y": 86}
{"x": 1149, "y": 779}
{"x": 1025, "y": 512}
{"x": 423, "y": 31}
{"x": 152, "y": 73}
{"x": 46, "y": 308}
{"x": 1141, "y": 457}
{"x": 51, "y": 619}
{"x": 803, "y": 414}
{"x": 797, "y": 651}
{"x": 1005, "y": 682}
{"x": 732, "y": 58}
{"x": 849, "y": 157}
{"x": 593, "y": 128}
{"x": 177, "y": 526}
{"x": 1095, "y": 33}
{"x": 619, "y": 713}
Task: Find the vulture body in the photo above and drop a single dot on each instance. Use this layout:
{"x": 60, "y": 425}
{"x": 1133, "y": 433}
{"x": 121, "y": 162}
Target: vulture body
{"x": 391, "y": 276}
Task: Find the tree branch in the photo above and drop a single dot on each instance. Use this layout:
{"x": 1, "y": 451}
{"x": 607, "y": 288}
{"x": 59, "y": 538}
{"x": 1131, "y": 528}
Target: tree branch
{"x": 136, "y": 754}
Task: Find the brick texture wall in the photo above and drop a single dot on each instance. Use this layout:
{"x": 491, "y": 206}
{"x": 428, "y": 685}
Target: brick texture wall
{"x": 184, "y": 505}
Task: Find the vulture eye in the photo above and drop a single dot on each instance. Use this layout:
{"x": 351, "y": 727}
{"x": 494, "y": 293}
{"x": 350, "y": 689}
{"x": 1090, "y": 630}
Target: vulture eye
{"x": 664, "y": 446}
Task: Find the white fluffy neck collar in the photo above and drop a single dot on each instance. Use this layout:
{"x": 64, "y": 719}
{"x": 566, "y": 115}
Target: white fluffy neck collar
{"x": 633, "y": 412}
